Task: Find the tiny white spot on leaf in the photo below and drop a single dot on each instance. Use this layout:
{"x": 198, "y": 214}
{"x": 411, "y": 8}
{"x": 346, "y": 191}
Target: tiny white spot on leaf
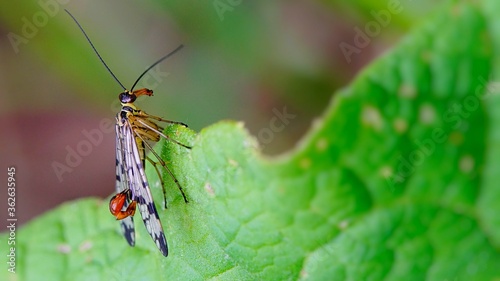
{"x": 492, "y": 88}
{"x": 427, "y": 114}
{"x": 344, "y": 224}
{"x": 371, "y": 117}
{"x": 322, "y": 144}
{"x": 386, "y": 171}
{"x": 64, "y": 248}
{"x": 233, "y": 163}
{"x": 400, "y": 125}
{"x": 407, "y": 91}
{"x": 209, "y": 189}
{"x": 305, "y": 163}
{"x": 466, "y": 164}
{"x": 85, "y": 246}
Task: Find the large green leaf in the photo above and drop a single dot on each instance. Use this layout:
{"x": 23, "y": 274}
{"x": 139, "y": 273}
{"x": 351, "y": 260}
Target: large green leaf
{"x": 396, "y": 181}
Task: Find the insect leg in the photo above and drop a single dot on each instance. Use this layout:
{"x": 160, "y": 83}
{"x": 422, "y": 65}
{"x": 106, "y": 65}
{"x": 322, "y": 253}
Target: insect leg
{"x": 155, "y": 164}
{"x": 164, "y": 165}
{"x": 145, "y": 124}
{"x": 145, "y": 115}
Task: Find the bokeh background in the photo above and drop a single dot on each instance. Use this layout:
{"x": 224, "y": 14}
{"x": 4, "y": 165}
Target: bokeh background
{"x": 243, "y": 60}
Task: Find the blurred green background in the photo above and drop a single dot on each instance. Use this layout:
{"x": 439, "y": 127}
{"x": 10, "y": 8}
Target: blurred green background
{"x": 243, "y": 60}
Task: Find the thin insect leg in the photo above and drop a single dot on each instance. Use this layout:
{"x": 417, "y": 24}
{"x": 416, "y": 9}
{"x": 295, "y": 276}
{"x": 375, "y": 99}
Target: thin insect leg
{"x": 167, "y": 121}
{"x": 152, "y": 150}
{"x": 155, "y": 164}
{"x": 166, "y": 168}
{"x": 176, "y": 181}
{"x": 145, "y": 124}
{"x": 144, "y": 114}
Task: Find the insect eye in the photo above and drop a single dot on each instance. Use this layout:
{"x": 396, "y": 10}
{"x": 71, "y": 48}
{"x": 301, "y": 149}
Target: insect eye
{"x": 126, "y": 97}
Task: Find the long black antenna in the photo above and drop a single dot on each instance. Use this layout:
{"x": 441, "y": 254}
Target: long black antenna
{"x": 154, "y": 64}
{"x": 95, "y": 50}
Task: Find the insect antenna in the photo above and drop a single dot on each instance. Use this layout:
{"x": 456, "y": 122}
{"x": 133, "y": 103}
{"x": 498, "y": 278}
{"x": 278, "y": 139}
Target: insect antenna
{"x": 157, "y": 62}
{"x": 95, "y": 50}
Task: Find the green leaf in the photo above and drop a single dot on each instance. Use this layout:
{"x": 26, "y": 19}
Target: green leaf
{"x": 397, "y": 181}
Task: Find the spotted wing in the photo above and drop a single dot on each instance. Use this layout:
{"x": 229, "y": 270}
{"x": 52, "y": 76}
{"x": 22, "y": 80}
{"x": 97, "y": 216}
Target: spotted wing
{"x": 122, "y": 183}
{"x": 140, "y": 189}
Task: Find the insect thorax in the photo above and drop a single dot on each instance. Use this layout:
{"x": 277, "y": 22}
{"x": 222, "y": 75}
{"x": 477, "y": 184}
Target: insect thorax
{"x": 124, "y": 114}
{"x": 140, "y": 122}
